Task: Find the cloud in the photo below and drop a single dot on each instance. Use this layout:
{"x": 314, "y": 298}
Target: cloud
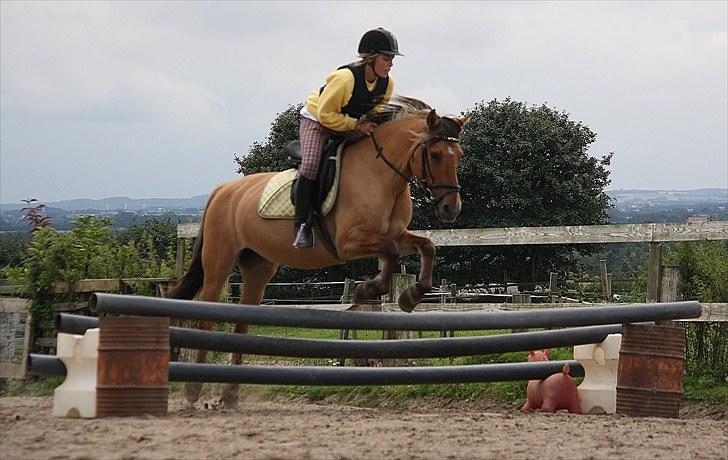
{"x": 177, "y": 88}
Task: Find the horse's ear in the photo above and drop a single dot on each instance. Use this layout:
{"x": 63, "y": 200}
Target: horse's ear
{"x": 432, "y": 119}
{"x": 464, "y": 120}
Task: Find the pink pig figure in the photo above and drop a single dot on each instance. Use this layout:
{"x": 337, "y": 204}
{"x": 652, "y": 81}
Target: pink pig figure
{"x": 555, "y": 392}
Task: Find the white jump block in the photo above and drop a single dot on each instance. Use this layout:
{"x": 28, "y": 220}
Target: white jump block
{"x": 76, "y": 397}
{"x": 598, "y": 391}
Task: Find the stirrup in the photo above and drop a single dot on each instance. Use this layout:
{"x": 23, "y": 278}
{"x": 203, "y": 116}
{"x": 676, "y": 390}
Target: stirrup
{"x": 304, "y": 237}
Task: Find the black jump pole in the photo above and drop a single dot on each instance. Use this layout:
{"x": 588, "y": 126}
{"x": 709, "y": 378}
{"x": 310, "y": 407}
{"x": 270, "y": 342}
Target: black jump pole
{"x": 324, "y": 319}
{"x": 44, "y": 365}
{"x": 418, "y": 348}
{"x": 341, "y": 376}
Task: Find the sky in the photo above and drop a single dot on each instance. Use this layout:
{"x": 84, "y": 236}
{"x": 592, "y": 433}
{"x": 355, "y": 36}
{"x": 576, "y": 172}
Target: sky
{"x": 154, "y": 99}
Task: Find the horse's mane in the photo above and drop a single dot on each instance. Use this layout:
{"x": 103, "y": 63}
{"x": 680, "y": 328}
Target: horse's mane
{"x": 399, "y": 107}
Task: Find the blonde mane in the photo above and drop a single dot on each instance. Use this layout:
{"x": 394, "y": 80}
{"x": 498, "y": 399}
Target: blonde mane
{"x": 403, "y": 107}
{"x": 399, "y": 107}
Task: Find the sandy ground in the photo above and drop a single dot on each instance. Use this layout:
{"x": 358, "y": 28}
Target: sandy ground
{"x": 265, "y": 429}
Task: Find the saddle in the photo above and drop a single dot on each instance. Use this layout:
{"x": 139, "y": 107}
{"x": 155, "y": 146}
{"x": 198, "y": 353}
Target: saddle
{"x": 276, "y": 201}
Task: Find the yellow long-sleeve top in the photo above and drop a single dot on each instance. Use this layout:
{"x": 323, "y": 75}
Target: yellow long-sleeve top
{"x": 326, "y": 107}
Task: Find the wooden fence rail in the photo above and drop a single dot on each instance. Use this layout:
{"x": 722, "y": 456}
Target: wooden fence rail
{"x": 577, "y": 234}
{"x": 654, "y": 234}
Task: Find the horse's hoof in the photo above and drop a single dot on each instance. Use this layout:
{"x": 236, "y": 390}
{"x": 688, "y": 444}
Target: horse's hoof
{"x": 406, "y": 305}
{"x": 229, "y": 396}
{"x": 365, "y": 292}
{"x": 192, "y": 391}
{"x": 411, "y": 296}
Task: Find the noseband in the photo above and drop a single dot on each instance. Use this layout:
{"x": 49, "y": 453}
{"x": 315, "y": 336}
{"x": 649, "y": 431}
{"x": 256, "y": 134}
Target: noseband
{"x": 420, "y": 183}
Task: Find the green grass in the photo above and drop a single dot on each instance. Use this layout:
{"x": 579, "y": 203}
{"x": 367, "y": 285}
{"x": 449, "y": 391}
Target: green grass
{"x": 705, "y": 390}
{"x": 36, "y": 386}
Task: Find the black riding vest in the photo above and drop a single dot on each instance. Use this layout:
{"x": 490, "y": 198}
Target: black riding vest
{"x": 362, "y": 100}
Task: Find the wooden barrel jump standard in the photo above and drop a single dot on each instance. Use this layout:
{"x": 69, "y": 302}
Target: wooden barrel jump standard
{"x": 649, "y": 375}
{"x": 133, "y": 367}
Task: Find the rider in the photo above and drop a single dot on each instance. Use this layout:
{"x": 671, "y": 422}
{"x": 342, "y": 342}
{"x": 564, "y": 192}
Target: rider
{"x": 338, "y": 107}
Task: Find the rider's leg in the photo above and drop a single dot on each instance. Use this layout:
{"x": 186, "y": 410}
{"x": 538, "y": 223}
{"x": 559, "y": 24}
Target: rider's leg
{"x": 313, "y": 136}
{"x": 304, "y": 203}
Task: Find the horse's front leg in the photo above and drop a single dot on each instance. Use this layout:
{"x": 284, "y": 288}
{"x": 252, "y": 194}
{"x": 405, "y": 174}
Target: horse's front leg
{"x": 408, "y": 244}
{"x": 372, "y": 244}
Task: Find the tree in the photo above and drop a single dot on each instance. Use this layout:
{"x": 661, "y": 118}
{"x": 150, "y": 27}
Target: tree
{"x": 524, "y": 166}
{"x": 703, "y": 268}
{"x": 34, "y": 215}
{"x": 90, "y": 250}
{"x": 270, "y": 155}
{"x": 154, "y": 238}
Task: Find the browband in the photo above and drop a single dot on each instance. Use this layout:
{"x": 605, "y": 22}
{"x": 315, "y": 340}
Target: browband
{"x": 447, "y": 138}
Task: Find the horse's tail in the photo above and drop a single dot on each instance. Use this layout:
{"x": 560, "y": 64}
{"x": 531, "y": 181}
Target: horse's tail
{"x": 190, "y": 284}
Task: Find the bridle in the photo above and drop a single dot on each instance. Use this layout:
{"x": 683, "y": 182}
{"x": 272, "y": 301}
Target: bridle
{"x": 420, "y": 183}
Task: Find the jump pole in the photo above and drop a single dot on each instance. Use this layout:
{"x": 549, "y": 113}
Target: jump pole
{"x": 340, "y": 376}
{"x": 318, "y": 319}
{"x": 308, "y": 348}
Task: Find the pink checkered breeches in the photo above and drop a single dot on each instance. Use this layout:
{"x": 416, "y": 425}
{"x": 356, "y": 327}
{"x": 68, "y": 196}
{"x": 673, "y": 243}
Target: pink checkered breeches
{"x": 313, "y": 136}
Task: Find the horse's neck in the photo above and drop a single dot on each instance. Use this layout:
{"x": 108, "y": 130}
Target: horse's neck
{"x": 365, "y": 169}
{"x": 396, "y": 141}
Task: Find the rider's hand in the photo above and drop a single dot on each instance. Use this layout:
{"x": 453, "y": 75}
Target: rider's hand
{"x": 366, "y": 127}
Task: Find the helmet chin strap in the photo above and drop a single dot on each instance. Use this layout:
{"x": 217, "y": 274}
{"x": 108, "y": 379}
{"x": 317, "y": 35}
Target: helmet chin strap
{"x": 370, "y": 67}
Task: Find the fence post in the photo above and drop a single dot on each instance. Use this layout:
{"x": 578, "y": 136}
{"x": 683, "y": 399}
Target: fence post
{"x": 669, "y": 288}
{"x": 521, "y": 299}
{"x": 604, "y": 278}
{"x": 443, "y": 288}
{"x": 553, "y": 283}
{"x": 179, "y": 266}
{"x": 400, "y": 282}
{"x": 654, "y": 263}
{"x": 346, "y": 296}
{"x": 349, "y": 287}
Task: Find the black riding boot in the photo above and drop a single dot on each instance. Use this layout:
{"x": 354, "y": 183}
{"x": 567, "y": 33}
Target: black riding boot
{"x": 304, "y": 204}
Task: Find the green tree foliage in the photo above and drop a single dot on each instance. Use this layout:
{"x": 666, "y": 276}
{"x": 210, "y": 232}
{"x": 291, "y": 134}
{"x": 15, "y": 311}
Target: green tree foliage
{"x": 703, "y": 269}
{"x": 523, "y": 166}
{"x": 270, "y": 155}
{"x": 704, "y": 272}
{"x": 154, "y": 239}
{"x": 90, "y": 250}
{"x": 12, "y": 247}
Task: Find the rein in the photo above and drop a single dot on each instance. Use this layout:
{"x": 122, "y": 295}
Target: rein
{"x": 415, "y": 182}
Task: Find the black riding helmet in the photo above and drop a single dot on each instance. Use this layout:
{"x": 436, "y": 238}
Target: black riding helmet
{"x": 379, "y": 41}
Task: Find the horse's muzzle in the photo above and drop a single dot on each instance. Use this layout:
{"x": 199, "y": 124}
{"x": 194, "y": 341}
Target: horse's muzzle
{"x": 448, "y": 209}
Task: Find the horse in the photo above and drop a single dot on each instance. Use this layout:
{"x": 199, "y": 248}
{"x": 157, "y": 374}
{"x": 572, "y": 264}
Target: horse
{"x": 411, "y": 144}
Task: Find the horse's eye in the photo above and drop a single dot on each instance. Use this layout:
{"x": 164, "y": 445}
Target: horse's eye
{"x": 436, "y": 156}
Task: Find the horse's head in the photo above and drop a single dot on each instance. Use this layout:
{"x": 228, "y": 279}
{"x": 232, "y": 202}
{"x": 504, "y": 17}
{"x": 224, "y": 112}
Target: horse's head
{"x": 436, "y": 161}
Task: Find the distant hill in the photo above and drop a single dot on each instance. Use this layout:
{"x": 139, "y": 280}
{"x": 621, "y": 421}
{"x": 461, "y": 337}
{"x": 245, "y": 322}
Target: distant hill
{"x": 624, "y": 198}
{"x": 119, "y": 203}
{"x": 635, "y": 197}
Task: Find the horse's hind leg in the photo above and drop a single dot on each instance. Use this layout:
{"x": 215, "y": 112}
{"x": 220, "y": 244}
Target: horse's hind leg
{"x": 255, "y": 272}
{"x": 216, "y": 269}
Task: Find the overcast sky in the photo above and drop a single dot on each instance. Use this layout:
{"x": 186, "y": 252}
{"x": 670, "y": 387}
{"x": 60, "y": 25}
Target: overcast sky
{"x": 146, "y": 99}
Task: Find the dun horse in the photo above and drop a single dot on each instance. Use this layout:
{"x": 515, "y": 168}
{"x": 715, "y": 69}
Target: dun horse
{"x": 370, "y": 217}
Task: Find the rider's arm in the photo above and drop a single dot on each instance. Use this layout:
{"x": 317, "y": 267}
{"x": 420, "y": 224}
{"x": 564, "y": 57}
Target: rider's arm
{"x": 336, "y": 94}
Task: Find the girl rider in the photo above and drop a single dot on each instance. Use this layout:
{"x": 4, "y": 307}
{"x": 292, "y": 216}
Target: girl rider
{"x": 348, "y": 93}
